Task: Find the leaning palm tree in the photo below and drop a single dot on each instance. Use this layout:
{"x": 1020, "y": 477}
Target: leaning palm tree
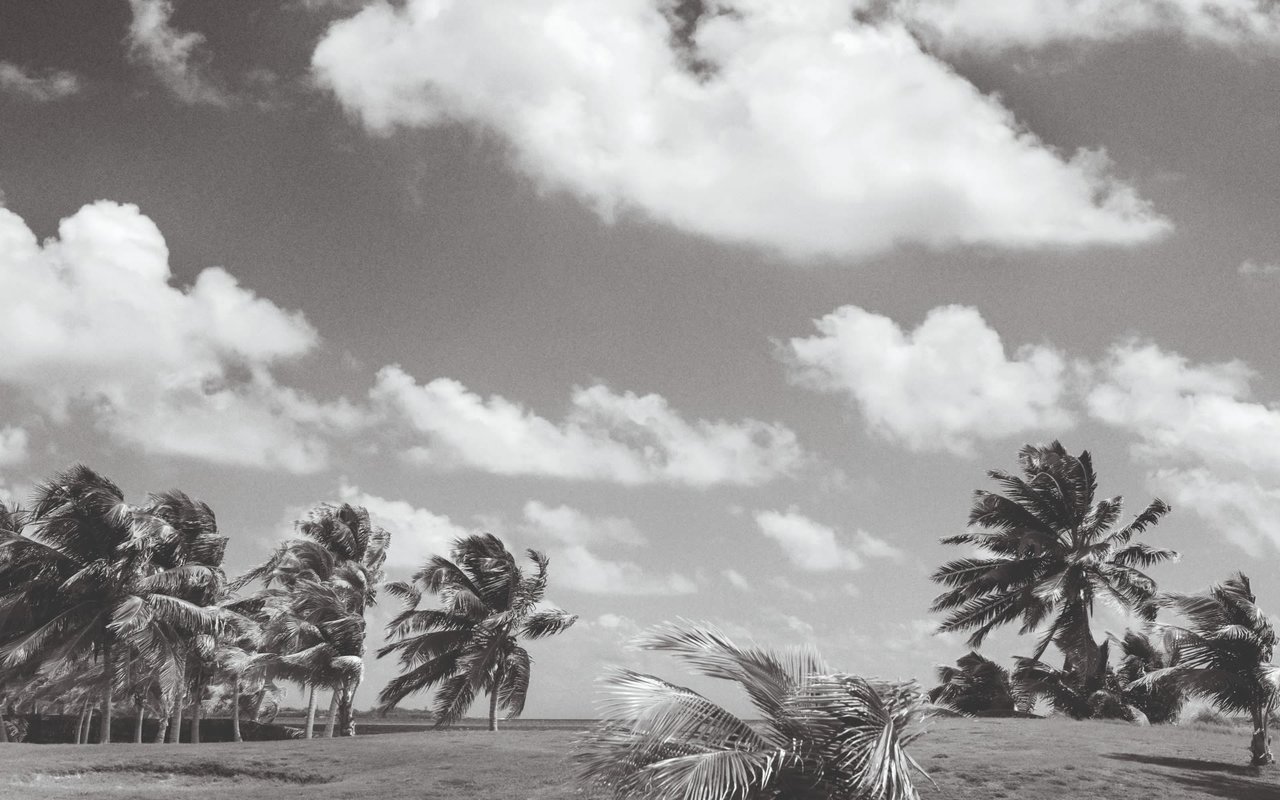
{"x": 1142, "y": 653}
{"x": 340, "y": 554}
{"x": 471, "y": 643}
{"x": 975, "y": 685}
{"x": 1047, "y": 552}
{"x": 1225, "y": 651}
{"x": 821, "y": 735}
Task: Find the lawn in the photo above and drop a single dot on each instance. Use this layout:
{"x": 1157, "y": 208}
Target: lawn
{"x": 969, "y": 759}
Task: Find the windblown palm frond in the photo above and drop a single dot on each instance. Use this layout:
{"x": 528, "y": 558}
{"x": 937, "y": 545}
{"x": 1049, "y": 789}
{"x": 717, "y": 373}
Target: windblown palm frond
{"x": 1047, "y": 552}
{"x": 975, "y": 685}
{"x": 824, "y": 736}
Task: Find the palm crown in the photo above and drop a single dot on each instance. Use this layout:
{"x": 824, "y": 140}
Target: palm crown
{"x": 1047, "y": 551}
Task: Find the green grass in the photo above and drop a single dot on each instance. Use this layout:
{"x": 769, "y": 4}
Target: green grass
{"x": 970, "y": 760}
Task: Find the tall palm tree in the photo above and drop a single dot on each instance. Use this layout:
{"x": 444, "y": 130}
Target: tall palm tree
{"x": 334, "y": 568}
{"x": 975, "y": 685}
{"x": 1047, "y": 552}
{"x": 1225, "y": 650}
{"x": 821, "y": 735}
{"x": 471, "y": 643}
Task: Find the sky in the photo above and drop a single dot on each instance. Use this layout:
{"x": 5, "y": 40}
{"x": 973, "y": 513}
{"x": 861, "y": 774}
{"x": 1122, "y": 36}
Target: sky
{"x": 726, "y": 306}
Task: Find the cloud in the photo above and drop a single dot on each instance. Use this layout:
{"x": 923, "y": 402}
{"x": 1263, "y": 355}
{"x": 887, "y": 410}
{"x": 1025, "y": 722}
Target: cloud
{"x": 92, "y": 328}
{"x": 986, "y": 25}
{"x": 41, "y": 87}
{"x": 416, "y": 533}
{"x": 623, "y": 438}
{"x": 815, "y": 547}
{"x": 785, "y": 586}
{"x": 790, "y": 127}
{"x": 1255, "y": 269}
{"x": 576, "y": 566}
{"x": 13, "y": 446}
{"x": 176, "y": 58}
{"x": 944, "y": 386}
{"x": 736, "y": 580}
{"x": 1210, "y": 445}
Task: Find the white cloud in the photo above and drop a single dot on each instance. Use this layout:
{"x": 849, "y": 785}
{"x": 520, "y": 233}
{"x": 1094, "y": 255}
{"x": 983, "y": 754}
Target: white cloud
{"x": 40, "y": 87}
{"x": 737, "y": 580}
{"x": 1259, "y": 269}
{"x": 815, "y": 547}
{"x": 416, "y": 533}
{"x": 176, "y": 58}
{"x": 807, "y": 132}
{"x": 577, "y": 566}
{"x": 91, "y": 327}
{"x": 943, "y": 386}
{"x": 1211, "y": 446}
{"x": 624, "y": 438}
{"x": 986, "y": 25}
{"x": 13, "y": 445}
{"x": 784, "y": 585}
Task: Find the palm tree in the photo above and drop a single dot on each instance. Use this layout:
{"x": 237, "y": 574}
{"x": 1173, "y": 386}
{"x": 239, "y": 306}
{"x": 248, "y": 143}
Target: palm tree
{"x": 1096, "y": 694}
{"x": 1225, "y": 651}
{"x": 1143, "y": 653}
{"x": 975, "y": 685}
{"x": 96, "y": 581}
{"x": 335, "y": 569}
{"x": 471, "y": 643}
{"x": 1047, "y": 552}
{"x": 822, "y": 735}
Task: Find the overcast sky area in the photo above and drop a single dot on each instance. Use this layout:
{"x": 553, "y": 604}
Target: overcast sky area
{"x": 727, "y": 308}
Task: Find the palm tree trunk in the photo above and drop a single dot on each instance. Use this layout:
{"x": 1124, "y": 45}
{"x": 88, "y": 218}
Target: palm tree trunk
{"x": 80, "y": 722}
{"x": 137, "y": 725}
{"x": 104, "y": 736}
{"x": 179, "y": 707}
{"x": 1260, "y": 745}
{"x": 311, "y": 713}
{"x": 333, "y": 715}
{"x": 346, "y": 710}
{"x": 162, "y": 728}
{"x": 493, "y": 699}
{"x": 235, "y": 711}
{"x": 197, "y": 708}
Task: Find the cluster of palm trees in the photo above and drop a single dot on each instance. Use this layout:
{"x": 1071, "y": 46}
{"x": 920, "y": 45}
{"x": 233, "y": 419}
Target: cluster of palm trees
{"x": 103, "y": 602}
{"x": 1045, "y": 552}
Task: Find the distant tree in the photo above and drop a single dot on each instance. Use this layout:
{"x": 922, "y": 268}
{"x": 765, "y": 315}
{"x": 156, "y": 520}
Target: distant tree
{"x": 1048, "y": 551}
{"x": 1224, "y": 655}
{"x": 975, "y": 685}
{"x": 1096, "y": 694}
{"x": 470, "y": 644}
{"x": 822, "y": 735}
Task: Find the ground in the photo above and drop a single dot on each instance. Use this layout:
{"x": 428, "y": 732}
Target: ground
{"x": 969, "y": 760}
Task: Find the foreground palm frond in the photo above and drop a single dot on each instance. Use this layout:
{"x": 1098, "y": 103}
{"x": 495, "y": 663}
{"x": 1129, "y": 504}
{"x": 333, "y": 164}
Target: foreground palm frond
{"x": 823, "y": 735}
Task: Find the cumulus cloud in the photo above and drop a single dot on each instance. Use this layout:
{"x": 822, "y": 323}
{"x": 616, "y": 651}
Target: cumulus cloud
{"x": 624, "y": 438}
{"x": 13, "y": 445}
{"x": 815, "y": 547}
{"x": 91, "y": 327}
{"x": 1211, "y": 446}
{"x": 944, "y": 386}
{"x": 176, "y": 58}
{"x": 416, "y": 533}
{"x": 787, "y": 126}
{"x": 575, "y": 537}
{"x": 987, "y": 25}
{"x": 42, "y": 87}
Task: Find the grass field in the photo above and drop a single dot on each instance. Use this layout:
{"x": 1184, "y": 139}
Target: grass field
{"x": 969, "y": 759}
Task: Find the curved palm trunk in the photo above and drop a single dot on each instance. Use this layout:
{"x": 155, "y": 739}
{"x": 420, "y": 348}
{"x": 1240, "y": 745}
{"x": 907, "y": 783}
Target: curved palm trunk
{"x": 346, "y": 710}
{"x": 162, "y": 728}
{"x": 333, "y": 715}
{"x": 82, "y": 724}
{"x": 104, "y": 734}
{"x": 1260, "y": 745}
{"x": 493, "y": 700}
{"x": 311, "y": 714}
{"x": 235, "y": 712}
